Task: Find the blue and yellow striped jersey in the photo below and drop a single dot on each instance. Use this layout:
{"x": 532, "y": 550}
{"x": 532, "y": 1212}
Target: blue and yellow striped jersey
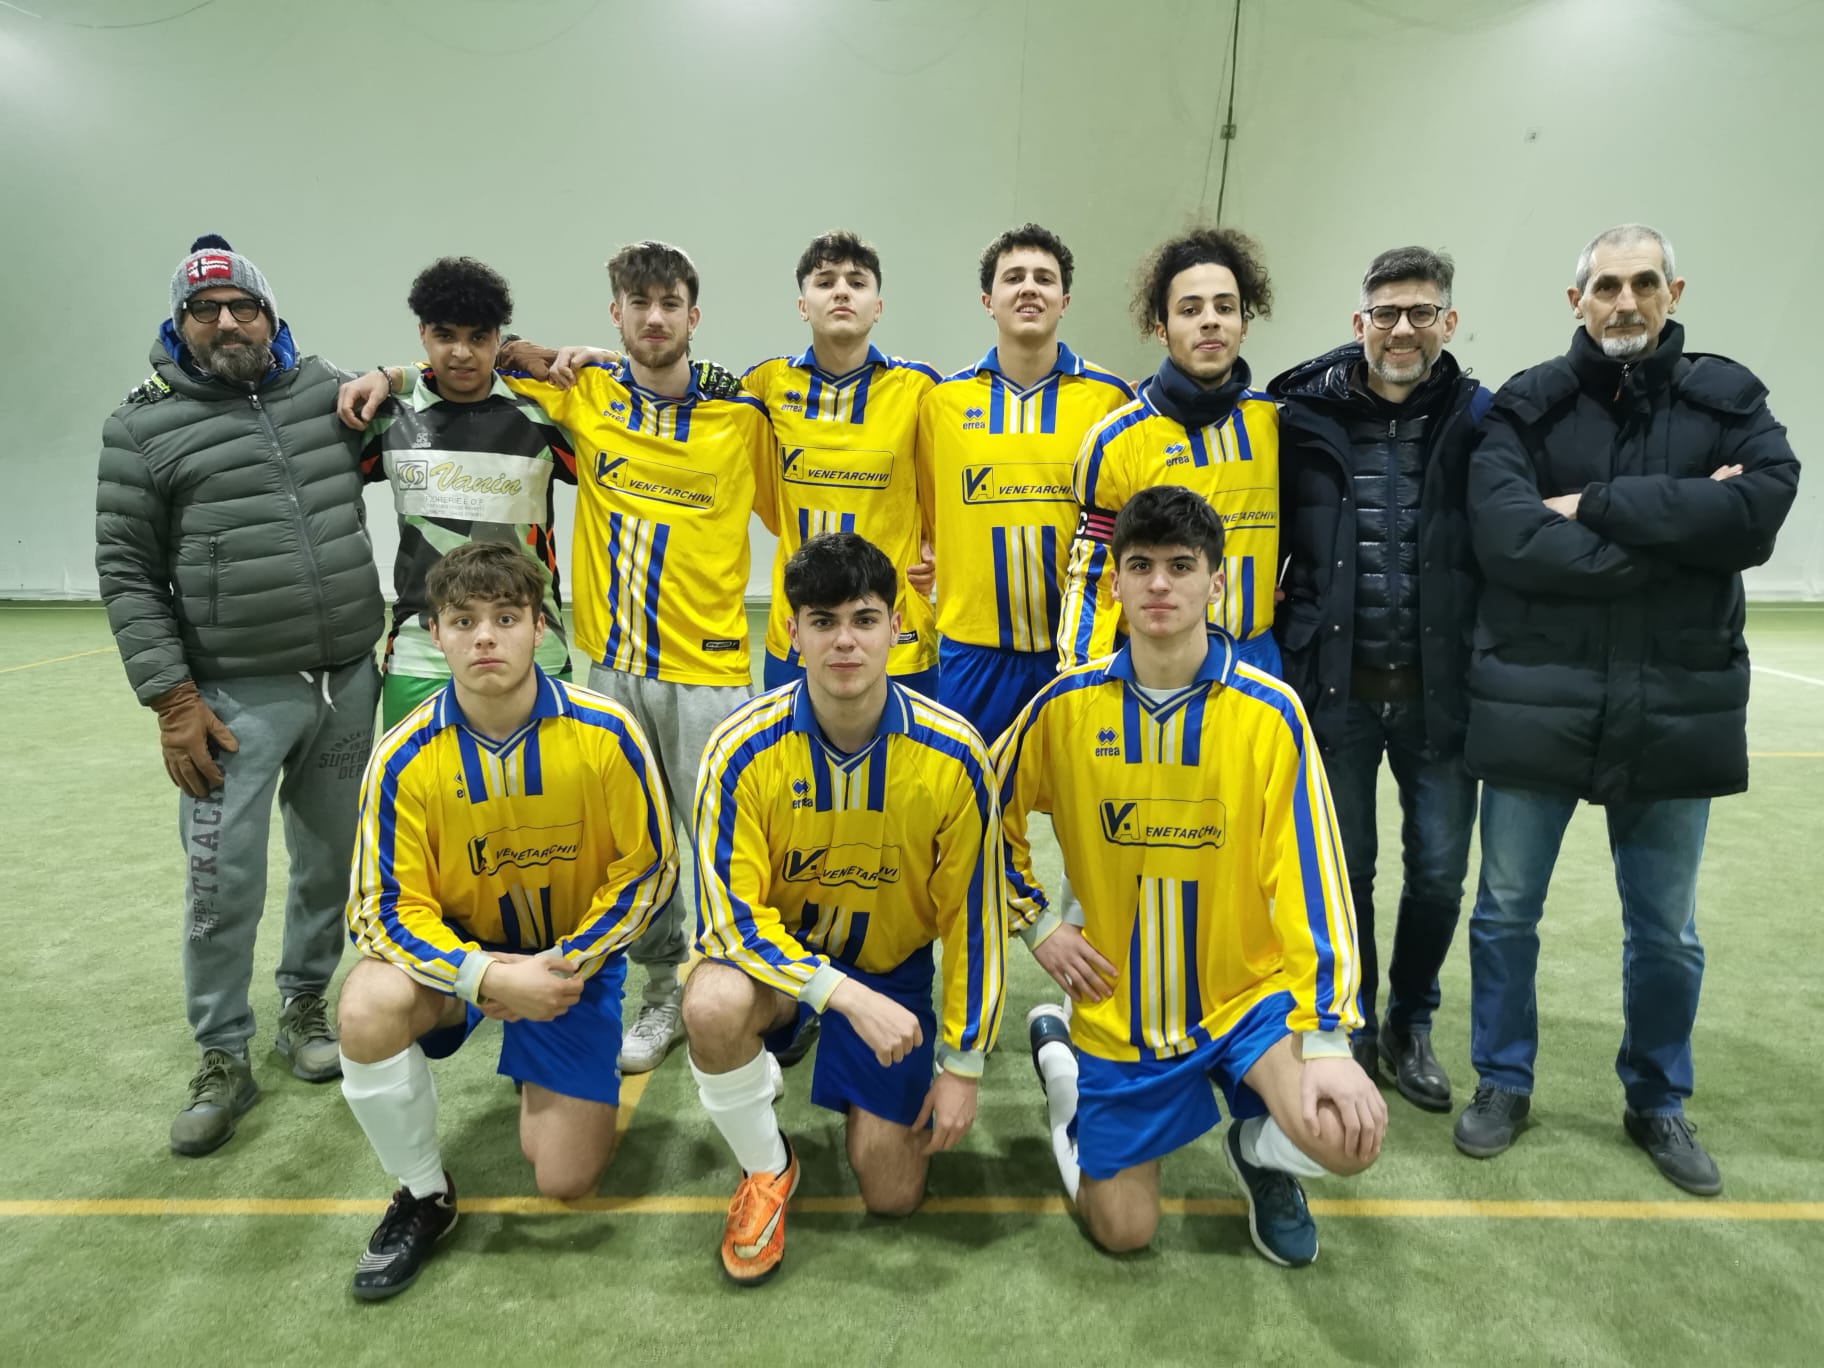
{"x": 999, "y": 501}
{"x": 660, "y": 554}
{"x": 556, "y": 839}
{"x": 847, "y": 445}
{"x": 1196, "y": 829}
{"x": 811, "y": 861}
{"x": 1233, "y": 463}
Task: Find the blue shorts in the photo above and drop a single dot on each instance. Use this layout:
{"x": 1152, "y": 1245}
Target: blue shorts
{"x": 577, "y": 1054}
{"x": 776, "y": 672}
{"x": 845, "y": 1073}
{"x": 989, "y": 686}
{"x": 1133, "y": 1113}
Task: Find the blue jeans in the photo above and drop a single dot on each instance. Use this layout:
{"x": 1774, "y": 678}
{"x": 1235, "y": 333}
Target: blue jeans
{"x": 1438, "y": 803}
{"x": 1656, "y": 848}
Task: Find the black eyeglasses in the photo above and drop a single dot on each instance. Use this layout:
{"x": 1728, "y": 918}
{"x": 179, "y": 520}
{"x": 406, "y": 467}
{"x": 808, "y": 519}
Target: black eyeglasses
{"x": 1386, "y": 317}
{"x": 244, "y": 309}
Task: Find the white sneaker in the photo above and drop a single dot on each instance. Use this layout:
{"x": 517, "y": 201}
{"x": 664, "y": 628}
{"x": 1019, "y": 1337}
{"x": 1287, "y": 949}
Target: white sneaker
{"x": 655, "y": 1030}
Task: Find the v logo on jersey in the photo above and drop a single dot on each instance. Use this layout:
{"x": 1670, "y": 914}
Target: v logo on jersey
{"x": 973, "y": 480}
{"x": 1118, "y": 822}
{"x": 801, "y": 865}
{"x": 788, "y": 457}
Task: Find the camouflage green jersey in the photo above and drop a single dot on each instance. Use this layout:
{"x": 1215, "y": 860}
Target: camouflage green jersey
{"x": 460, "y": 473}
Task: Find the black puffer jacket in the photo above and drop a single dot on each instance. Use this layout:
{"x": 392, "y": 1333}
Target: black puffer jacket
{"x": 230, "y": 536}
{"x": 1320, "y": 536}
{"x": 1609, "y": 662}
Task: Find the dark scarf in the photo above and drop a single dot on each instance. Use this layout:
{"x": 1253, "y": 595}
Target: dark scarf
{"x": 1183, "y": 400}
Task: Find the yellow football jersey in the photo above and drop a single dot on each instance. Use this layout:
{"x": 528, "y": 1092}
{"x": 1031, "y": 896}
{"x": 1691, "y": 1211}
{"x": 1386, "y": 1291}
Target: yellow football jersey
{"x": 663, "y": 492}
{"x": 810, "y": 861}
{"x": 999, "y": 501}
{"x": 1233, "y": 463}
{"x": 556, "y": 838}
{"x": 846, "y": 463}
{"x": 1196, "y": 828}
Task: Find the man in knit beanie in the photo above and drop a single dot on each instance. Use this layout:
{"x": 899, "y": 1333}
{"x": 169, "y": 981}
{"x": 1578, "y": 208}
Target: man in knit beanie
{"x": 241, "y": 590}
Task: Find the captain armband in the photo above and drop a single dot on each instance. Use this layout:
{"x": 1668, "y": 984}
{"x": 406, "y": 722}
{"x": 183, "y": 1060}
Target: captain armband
{"x": 1096, "y": 525}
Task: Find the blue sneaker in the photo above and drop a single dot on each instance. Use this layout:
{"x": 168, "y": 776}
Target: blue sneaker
{"x": 1278, "y": 1218}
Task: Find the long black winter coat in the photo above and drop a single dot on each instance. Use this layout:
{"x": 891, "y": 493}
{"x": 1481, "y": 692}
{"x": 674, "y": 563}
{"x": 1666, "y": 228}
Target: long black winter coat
{"x": 1609, "y": 662}
{"x": 1319, "y": 537}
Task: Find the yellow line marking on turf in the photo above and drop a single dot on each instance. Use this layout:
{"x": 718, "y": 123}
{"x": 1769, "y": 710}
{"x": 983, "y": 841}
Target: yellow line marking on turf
{"x": 34, "y": 664}
{"x": 1384, "y": 1208}
{"x": 632, "y": 1090}
{"x": 1786, "y": 755}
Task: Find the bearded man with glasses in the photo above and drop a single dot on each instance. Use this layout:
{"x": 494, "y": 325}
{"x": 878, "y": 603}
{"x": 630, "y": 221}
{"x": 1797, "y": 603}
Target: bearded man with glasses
{"x": 240, "y": 584}
{"x": 1380, "y": 594}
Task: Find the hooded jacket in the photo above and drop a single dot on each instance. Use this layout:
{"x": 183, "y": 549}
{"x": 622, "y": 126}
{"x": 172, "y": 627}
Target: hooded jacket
{"x": 230, "y": 534}
{"x": 1608, "y": 658}
{"x": 1325, "y": 418}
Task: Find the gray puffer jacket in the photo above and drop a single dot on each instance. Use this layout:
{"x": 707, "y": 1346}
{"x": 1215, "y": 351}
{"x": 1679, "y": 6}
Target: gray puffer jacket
{"x": 230, "y": 536}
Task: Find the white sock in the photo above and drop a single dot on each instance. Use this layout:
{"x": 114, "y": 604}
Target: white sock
{"x": 396, "y": 1103}
{"x": 1058, "y": 1067}
{"x": 740, "y": 1102}
{"x": 1265, "y": 1145}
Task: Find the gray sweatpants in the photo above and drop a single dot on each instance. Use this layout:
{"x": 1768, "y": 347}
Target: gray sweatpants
{"x": 677, "y": 720}
{"x": 307, "y": 738}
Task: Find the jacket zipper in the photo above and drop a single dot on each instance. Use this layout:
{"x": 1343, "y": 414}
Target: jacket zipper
{"x": 297, "y": 513}
{"x": 215, "y": 579}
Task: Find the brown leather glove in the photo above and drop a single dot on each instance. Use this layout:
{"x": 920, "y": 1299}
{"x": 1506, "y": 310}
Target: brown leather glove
{"x": 517, "y": 354}
{"x": 186, "y": 726}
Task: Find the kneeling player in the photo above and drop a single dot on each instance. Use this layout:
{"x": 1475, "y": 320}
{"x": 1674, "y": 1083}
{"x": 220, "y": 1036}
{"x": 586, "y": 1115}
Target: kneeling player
{"x": 1219, "y": 944}
{"x": 514, "y": 840}
{"x": 844, "y": 824}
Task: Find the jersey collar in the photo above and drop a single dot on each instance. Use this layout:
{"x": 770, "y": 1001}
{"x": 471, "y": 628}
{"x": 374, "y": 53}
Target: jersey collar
{"x": 1068, "y": 362}
{"x": 624, "y": 374}
{"x": 424, "y": 393}
{"x": 550, "y": 702}
{"x": 807, "y": 360}
{"x": 895, "y": 717}
{"x": 1218, "y": 661}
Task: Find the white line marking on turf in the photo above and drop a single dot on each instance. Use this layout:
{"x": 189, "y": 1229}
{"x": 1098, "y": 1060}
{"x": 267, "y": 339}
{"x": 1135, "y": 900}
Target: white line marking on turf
{"x": 1788, "y": 674}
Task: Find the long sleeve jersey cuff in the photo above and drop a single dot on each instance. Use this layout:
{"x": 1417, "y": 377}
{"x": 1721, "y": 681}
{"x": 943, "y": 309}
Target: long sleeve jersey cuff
{"x": 962, "y": 1063}
{"x": 1035, "y": 934}
{"x": 816, "y": 993}
{"x": 1324, "y": 1044}
{"x": 468, "y": 977}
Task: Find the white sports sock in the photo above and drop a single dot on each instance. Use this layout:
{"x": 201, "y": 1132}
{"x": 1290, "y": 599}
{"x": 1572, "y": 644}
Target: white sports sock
{"x": 1265, "y": 1145}
{"x": 1058, "y": 1067}
{"x": 396, "y": 1103}
{"x": 740, "y": 1102}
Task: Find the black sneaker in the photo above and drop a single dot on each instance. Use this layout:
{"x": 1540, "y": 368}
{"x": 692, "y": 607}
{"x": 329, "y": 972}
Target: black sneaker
{"x": 1365, "y": 1052}
{"x": 1421, "y": 1080}
{"x": 406, "y": 1236}
{"x": 1278, "y": 1218}
{"x": 1674, "y": 1151}
{"x": 800, "y": 1043}
{"x": 1488, "y": 1124}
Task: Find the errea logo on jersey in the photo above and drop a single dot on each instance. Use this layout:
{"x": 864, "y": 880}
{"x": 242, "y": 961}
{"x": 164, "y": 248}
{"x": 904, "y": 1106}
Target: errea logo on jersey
{"x": 1177, "y": 455}
{"x": 801, "y": 794}
{"x": 794, "y": 401}
{"x": 1107, "y": 742}
{"x": 1172, "y": 823}
{"x": 974, "y": 419}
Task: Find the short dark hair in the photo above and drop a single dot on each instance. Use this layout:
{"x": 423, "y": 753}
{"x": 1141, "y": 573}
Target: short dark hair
{"x": 461, "y": 291}
{"x": 1168, "y": 515}
{"x": 1409, "y": 263}
{"x": 834, "y": 248}
{"x": 652, "y": 265}
{"x": 1227, "y": 247}
{"x": 485, "y": 572}
{"x": 834, "y": 568}
{"x": 1026, "y": 235}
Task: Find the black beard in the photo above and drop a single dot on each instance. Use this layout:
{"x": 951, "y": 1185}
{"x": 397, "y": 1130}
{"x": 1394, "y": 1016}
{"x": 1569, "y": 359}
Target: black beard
{"x": 238, "y": 365}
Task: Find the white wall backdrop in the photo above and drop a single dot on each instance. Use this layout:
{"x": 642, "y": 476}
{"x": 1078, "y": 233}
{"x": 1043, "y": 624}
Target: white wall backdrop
{"x": 343, "y": 144}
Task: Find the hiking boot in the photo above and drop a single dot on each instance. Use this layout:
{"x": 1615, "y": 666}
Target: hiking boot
{"x": 753, "y": 1240}
{"x": 1490, "y": 1121}
{"x": 1417, "y": 1075}
{"x": 306, "y": 1039}
{"x": 1278, "y": 1218}
{"x": 406, "y": 1236}
{"x": 221, "y": 1090}
{"x": 1670, "y": 1144}
{"x": 658, "y": 1027}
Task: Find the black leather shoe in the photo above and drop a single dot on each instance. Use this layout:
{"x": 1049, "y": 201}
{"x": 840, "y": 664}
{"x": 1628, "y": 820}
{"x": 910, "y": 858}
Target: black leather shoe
{"x": 1416, "y": 1071}
{"x": 1674, "y": 1151}
{"x": 1490, "y": 1121}
{"x": 1365, "y": 1053}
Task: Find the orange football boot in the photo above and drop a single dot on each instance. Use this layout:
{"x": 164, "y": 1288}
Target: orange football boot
{"x": 753, "y": 1241}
